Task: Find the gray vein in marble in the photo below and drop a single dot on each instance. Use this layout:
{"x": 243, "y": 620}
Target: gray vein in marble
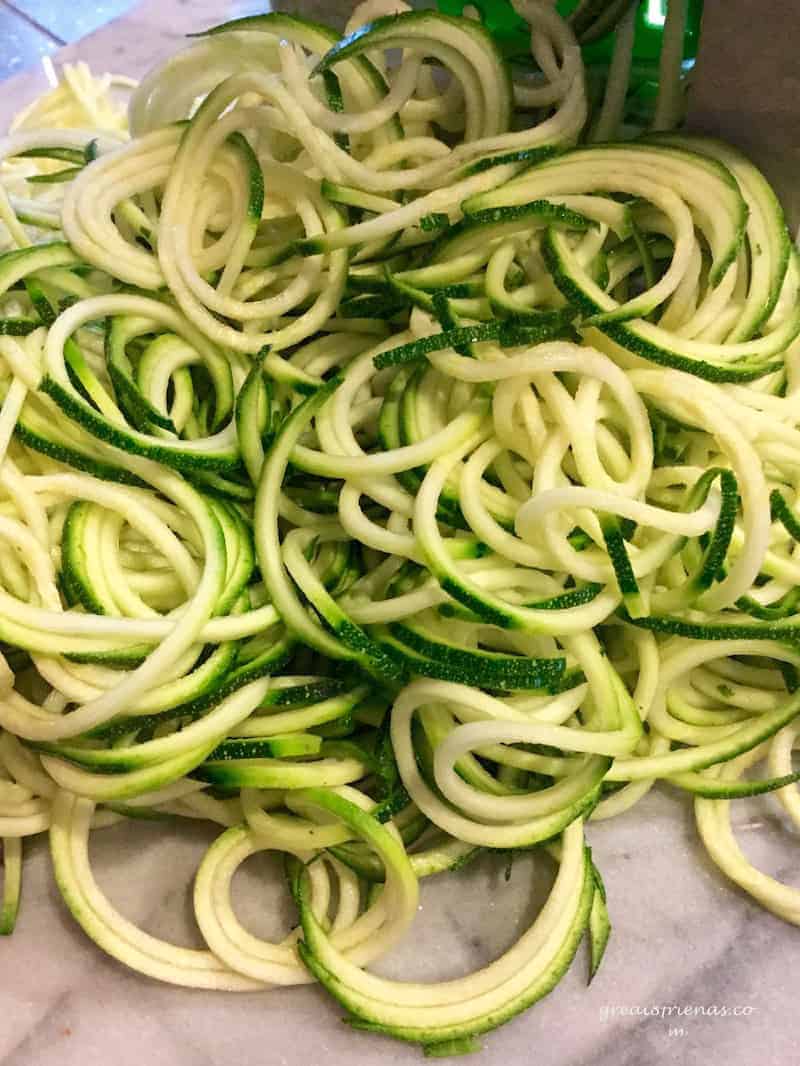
{"x": 19, "y": 1050}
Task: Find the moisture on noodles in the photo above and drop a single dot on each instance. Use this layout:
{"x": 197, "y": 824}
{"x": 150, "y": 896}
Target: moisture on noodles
{"x": 400, "y": 458}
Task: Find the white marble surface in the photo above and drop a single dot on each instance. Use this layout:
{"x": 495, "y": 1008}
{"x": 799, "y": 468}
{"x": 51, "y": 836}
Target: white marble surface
{"x": 131, "y": 44}
{"x": 682, "y": 935}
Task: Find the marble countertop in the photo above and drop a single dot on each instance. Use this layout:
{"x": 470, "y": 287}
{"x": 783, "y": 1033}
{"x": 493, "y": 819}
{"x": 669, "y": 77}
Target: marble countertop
{"x": 683, "y": 936}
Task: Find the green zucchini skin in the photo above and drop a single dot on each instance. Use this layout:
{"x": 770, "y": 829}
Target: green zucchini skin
{"x": 391, "y": 475}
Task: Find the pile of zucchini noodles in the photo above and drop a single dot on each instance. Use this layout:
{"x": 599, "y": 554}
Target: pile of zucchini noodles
{"x": 394, "y": 466}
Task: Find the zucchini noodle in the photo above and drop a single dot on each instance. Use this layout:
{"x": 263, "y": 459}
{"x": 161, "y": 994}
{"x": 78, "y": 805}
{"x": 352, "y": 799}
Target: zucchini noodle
{"x": 398, "y": 462}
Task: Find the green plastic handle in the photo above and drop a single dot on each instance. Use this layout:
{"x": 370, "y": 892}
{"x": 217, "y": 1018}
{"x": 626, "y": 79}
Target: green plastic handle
{"x": 513, "y": 35}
